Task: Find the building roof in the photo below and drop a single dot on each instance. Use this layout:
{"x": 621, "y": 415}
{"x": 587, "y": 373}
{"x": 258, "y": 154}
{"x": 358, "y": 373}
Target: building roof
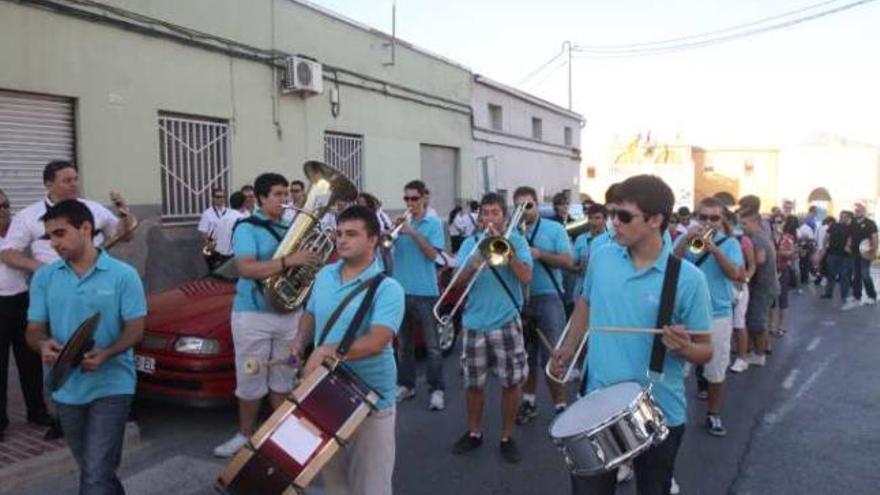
{"x": 529, "y": 98}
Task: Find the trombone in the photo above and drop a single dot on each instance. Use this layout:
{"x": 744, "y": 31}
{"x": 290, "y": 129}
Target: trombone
{"x": 495, "y": 250}
{"x": 387, "y": 239}
{"x": 698, "y": 244}
{"x": 566, "y": 377}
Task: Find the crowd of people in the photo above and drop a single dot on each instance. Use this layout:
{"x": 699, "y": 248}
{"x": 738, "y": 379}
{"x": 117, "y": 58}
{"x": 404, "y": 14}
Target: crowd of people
{"x": 695, "y": 291}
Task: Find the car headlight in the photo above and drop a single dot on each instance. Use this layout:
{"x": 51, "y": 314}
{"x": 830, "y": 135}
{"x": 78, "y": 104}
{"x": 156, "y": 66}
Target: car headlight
{"x": 196, "y": 345}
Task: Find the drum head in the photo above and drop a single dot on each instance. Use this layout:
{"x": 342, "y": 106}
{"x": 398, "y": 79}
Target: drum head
{"x": 72, "y": 354}
{"x": 594, "y": 409}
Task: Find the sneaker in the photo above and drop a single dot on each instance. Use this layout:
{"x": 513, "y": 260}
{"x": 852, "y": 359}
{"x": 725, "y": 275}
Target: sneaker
{"x": 715, "y": 426}
{"x": 703, "y": 395}
{"x": 467, "y": 443}
{"x": 526, "y": 413}
{"x": 674, "y": 489}
{"x": 756, "y": 360}
{"x": 405, "y": 393}
{"x": 437, "y": 402}
{"x": 850, "y": 304}
{"x": 625, "y": 473}
{"x": 739, "y": 365}
{"x": 231, "y": 446}
{"x": 509, "y": 451}
{"x": 867, "y": 301}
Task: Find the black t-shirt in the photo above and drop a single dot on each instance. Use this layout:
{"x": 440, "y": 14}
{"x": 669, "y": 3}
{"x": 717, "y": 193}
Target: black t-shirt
{"x": 837, "y": 236}
{"x": 862, "y": 229}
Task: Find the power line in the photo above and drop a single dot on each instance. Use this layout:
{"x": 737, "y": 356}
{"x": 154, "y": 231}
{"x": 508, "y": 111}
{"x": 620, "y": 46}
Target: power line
{"x": 648, "y": 50}
{"x": 536, "y": 83}
{"x": 540, "y": 68}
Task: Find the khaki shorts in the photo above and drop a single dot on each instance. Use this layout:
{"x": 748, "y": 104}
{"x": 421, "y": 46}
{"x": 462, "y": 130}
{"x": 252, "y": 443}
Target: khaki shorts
{"x": 263, "y": 337}
{"x": 501, "y": 350}
{"x": 366, "y": 464}
{"x": 714, "y": 371}
{"x": 739, "y": 308}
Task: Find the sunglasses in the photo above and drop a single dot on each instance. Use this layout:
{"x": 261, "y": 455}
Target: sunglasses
{"x": 710, "y": 218}
{"x": 410, "y": 199}
{"x": 625, "y": 216}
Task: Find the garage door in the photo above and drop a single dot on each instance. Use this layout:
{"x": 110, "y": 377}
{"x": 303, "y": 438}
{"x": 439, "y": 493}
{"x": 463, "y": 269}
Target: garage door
{"x": 440, "y": 174}
{"x": 33, "y": 131}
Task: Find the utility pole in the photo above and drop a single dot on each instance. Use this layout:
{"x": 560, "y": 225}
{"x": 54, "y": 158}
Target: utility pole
{"x": 566, "y": 45}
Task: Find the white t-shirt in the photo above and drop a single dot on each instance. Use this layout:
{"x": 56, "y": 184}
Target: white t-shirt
{"x": 28, "y": 232}
{"x": 463, "y": 224}
{"x": 432, "y": 212}
{"x": 210, "y": 218}
{"x": 12, "y": 280}
{"x": 805, "y": 232}
{"x": 223, "y": 231}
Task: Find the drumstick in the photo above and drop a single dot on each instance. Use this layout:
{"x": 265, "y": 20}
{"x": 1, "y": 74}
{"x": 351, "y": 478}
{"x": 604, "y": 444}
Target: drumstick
{"x": 653, "y": 331}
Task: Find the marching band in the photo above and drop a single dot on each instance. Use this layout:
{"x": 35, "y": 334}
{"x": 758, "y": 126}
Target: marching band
{"x": 326, "y": 308}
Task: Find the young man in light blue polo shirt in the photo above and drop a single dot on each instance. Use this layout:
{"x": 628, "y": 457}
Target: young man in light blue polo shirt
{"x": 258, "y": 331}
{"x": 597, "y": 215}
{"x": 93, "y": 404}
{"x": 420, "y": 240}
{"x": 545, "y": 309}
{"x": 722, "y": 263}
{"x": 622, "y": 288}
{"x": 366, "y": 464}
{"x": 493, "y": 337}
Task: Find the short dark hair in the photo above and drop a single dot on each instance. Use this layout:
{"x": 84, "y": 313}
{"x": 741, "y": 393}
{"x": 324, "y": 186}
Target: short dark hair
{"x": 650, "y": 194}
{"x": 791, "y": 225}
{"x": 611, "y": 193}
{"x": 596, "y": 209}
{"x": 417, "y": 185}
{"x": 247, "y": 187}
{"x": 297, "y": 182}
{"x": 473, "y": 205}
{"x": 684, "y": 211}
{"x": 264, "y": 182}
{"x": 72, "y": 210}
{"x": 748, "y": 213}
{"x": 358, "y": 212}
{"x": 560, "y": 198}
{"x": 54, "y": 167}
{"x": 750, "y": 202}
{"x": 372, "y": 201}
{"x": 494, "y": 199}
{"x": 526, "y": 191}
{"x": 711, "y": 202}
{"x": 236, "y": 200}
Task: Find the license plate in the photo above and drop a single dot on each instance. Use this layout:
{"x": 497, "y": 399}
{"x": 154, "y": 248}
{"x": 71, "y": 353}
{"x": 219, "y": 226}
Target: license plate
{"x": 145, "y": 364}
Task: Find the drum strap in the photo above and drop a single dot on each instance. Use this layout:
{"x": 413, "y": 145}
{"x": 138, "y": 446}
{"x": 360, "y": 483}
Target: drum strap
{"x": 370, "y": 285}
{"x": 664, "y": 317}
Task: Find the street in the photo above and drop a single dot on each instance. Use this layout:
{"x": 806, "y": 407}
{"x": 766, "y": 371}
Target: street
{"x": 803, "y": 424}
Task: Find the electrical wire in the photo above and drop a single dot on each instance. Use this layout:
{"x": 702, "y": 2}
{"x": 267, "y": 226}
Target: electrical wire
{"x": 541, "y": 67}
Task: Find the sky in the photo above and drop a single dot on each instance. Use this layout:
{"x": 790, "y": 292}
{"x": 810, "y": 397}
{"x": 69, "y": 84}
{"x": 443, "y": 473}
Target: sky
{"x": 777, "y": 88}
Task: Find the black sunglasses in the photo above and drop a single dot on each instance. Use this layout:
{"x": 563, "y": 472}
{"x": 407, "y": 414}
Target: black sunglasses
{"x": 711, "y": 218}
{"x": 411, "y": 198}
{"x": 625, "y": 216}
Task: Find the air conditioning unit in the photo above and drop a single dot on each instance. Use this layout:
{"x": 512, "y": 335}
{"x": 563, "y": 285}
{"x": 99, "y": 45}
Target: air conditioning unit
{"x": 302, "y": 75}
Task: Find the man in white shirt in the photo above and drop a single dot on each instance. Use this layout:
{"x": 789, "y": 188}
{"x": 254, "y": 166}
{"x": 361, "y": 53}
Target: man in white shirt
{"x": 212, "y": 215}
{"x": 226, "y": 225}
{"x": 13, "y": 321}
{"x": 431, "y": 212}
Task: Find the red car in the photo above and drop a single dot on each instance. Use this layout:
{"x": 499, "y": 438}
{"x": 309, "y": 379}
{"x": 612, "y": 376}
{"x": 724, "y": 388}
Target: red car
{"x": 187, "y": 355}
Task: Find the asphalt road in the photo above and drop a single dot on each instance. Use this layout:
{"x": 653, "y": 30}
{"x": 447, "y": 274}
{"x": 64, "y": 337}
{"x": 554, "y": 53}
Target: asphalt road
{"x": 805, "y": 424}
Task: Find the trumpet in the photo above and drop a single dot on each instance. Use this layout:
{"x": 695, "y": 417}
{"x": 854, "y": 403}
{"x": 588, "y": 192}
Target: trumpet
{"x": 495, "y": 250}
{"x": 387, "y": 239}
{"x": 698, "y": 244}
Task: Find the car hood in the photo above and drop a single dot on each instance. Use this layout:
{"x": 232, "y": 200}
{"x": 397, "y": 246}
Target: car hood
{"x": 200, "y": 308}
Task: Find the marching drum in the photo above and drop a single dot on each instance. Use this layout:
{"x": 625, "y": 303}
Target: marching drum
{"x": 607, "y": 428}
{"x": 292, "y": 446}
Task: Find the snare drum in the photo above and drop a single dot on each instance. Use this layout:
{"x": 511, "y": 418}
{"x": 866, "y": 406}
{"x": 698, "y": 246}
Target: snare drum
{"x": 607, "y": 428}
{"x": 302, "y": 435}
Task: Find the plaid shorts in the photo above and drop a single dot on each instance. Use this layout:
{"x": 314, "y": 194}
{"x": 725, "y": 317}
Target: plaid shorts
{"x": 501, "y": 350}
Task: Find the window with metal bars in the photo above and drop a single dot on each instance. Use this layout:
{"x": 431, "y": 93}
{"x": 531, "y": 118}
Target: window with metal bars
{"x": 345, "y": 153}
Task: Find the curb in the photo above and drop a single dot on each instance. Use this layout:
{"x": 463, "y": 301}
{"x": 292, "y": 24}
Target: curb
{"x": 59, "y": 462}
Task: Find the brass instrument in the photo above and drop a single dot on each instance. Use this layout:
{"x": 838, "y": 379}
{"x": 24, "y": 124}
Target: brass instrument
{"x": 208, "y": 249}
{"x": 117, "y": 238}
{"x": 288, "y": 290}
{"x": 698, "y": 244}
{"x": 577, "y": 227}
{"x": 387, "y": 239}
{"x": 495, "y": 250}
{"x": 566, "y": 377}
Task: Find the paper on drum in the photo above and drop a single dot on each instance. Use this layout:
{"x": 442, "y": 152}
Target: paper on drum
{"x": 297, "y": 439}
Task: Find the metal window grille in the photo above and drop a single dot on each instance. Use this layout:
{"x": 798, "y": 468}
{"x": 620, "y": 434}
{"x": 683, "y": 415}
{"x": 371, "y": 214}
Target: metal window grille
{"x": 345, "y": 153}
{"x": 194, "y": 159}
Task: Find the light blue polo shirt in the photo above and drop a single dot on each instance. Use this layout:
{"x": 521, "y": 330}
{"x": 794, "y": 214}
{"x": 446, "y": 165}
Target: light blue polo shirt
{"x": 550, "y": 236}
{"x": 720, "y": 287}
{"x": 488, "y": 306}
{"x": 620, "y": 296}
{"x": 378, "y": 371}
{"x": 416, "y": 273}
{"x": 581, "y": 253}
{"x": 608, "y": 237}
{"x": 254, "y": 241}
{"x": 63, "y": 300}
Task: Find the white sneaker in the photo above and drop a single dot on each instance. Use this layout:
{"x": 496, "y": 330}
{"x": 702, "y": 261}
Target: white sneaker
{"x": 849, "y": 304}
{"x": 437, "y": 403}
{"x": 867, "y": 301}
{"x": 231, "y": 446}
{"x": 739, "y": 365}
{"x": 674, "y": 489}
{"x": 404, "y": 393}
{"x": 624, "y": 473}
{"x": 756, "y": 360}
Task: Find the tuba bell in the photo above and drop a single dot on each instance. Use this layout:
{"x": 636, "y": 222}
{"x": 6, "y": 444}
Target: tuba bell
{"x": 286, "y": 291}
